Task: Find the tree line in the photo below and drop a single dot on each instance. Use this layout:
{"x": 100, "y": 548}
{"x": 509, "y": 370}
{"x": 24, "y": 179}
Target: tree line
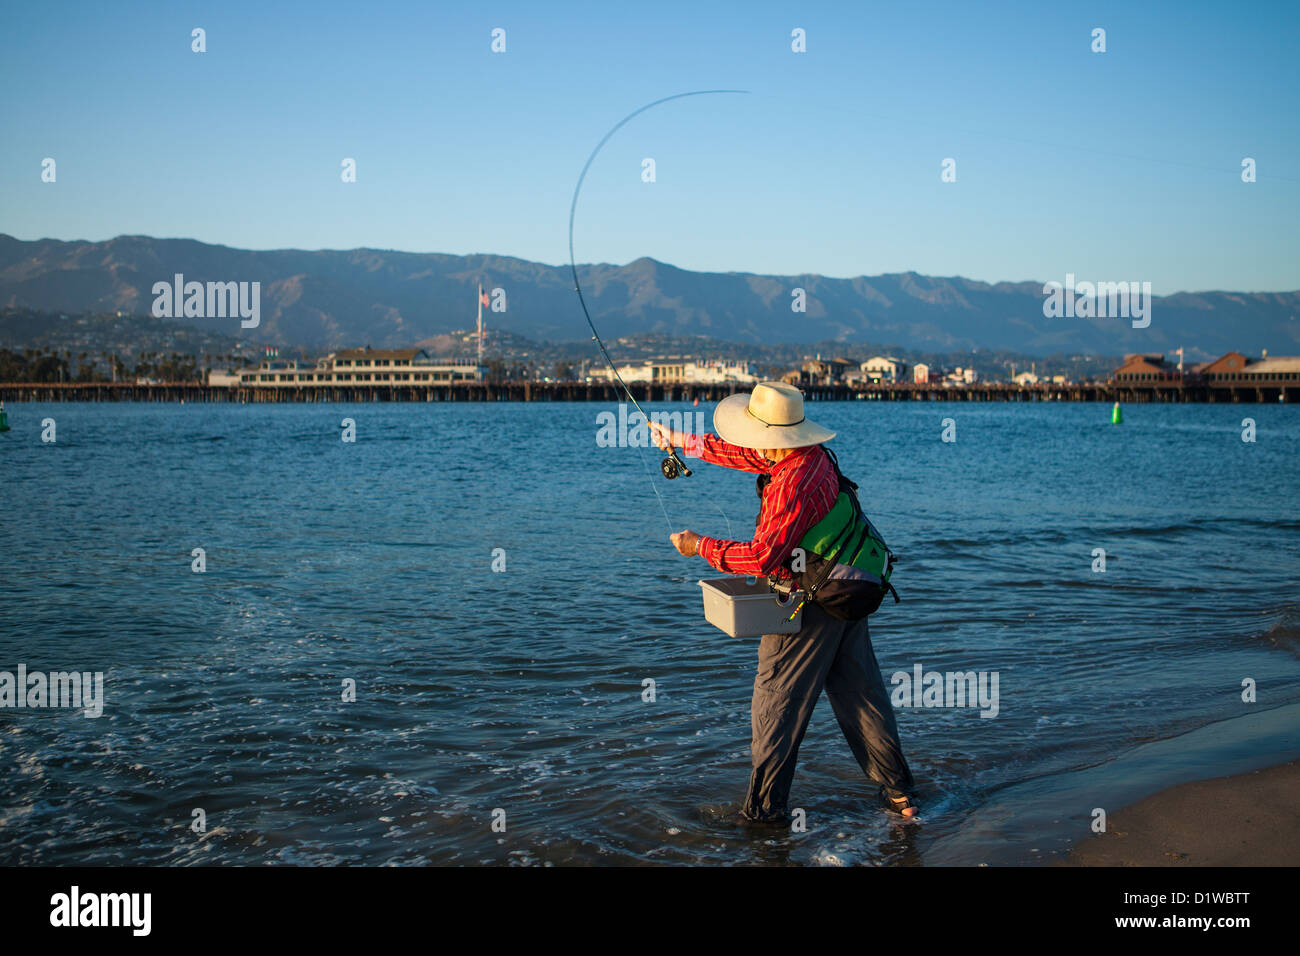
{"x": 44, "y": 366}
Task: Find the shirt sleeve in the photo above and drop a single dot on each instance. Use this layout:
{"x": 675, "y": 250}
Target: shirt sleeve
{"x": 715, "y": 451}
{"x": 778, "y": 534}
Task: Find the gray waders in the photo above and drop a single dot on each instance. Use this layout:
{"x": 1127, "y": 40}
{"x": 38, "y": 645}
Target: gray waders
{"x": 793, "y": 669}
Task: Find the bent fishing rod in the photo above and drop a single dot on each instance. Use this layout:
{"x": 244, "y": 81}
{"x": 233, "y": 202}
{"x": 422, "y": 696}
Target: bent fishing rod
{"x": 673, "y": 465}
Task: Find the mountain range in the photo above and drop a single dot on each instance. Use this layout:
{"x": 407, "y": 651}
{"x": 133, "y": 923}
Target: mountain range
{"x": 327, "y": 299}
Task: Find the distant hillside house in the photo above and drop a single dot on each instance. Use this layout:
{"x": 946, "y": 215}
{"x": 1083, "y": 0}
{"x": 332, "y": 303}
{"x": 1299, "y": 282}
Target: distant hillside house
{"x": 884, "y": 368}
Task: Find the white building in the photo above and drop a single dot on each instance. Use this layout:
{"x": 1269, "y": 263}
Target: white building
{"x": 683, "y": 372}
{"x": 405, "y": 366}
{"x": 884, "y": 368}
{"x": 1025, "y": 378}
{"x": 355, "y": 367}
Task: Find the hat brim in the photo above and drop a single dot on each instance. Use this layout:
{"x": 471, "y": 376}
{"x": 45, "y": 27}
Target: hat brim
{"x": 734, "y": 424}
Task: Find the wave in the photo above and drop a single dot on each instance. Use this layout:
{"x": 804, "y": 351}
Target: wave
{"x": 1283, "y": 634}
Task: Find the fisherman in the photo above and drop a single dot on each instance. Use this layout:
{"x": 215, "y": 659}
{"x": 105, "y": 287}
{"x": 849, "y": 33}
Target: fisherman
{"x": 765, "y": 432}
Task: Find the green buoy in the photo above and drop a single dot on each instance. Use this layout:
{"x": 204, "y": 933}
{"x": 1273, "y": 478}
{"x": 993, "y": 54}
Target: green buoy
{"x": 4, "y": 420}
{"x": 1116, "y": 415}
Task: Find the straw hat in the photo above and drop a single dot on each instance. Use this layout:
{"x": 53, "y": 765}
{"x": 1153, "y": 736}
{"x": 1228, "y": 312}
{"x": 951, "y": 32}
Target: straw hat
{"x": 771, "y": 416}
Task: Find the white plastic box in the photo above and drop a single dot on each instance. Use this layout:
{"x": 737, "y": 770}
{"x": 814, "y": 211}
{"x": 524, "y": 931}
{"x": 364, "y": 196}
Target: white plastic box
{"x": 747, "y": 607}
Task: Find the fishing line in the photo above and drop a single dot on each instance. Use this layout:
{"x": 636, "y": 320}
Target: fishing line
{"x": 724, "y": 518}
{"x": 655, "y": 488}
{"x": 673, "y": 465}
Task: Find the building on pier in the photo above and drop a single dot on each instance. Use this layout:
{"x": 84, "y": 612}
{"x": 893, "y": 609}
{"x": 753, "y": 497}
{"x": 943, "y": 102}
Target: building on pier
{"x": 884, "y": 368}
{"x": 923, "y": 374}
{"x": 820, "y": 371}
{"x": 1145, "y": 368}
{"x": 354, "y": 367}
{"x": 1283, "y": 368}
{"x": 684, "y": 372}
{"x": 1228, "y": 370}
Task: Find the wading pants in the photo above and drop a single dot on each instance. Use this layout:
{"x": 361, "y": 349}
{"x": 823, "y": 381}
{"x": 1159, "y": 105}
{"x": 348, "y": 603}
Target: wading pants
{"x": 793, "y": 669}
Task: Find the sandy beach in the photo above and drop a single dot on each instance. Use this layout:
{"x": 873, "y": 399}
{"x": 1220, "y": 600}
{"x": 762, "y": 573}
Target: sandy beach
{"x": 1248, "y": 819}
{"x": 1235, "y": 778}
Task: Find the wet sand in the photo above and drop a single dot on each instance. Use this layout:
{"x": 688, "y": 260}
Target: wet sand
{"x": 1248, "y": 819}
{"x": 1230, "y": 779}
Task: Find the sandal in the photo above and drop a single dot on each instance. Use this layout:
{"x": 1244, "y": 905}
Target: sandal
{"x": 900, "y": 802}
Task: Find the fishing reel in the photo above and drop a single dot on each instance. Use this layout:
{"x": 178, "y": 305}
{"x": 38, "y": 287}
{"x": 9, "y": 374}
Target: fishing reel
{"x": 672, "y": 466}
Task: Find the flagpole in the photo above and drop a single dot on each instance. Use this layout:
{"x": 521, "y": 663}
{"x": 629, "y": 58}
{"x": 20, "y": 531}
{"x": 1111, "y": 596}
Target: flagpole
{"x": 480, "y": 323}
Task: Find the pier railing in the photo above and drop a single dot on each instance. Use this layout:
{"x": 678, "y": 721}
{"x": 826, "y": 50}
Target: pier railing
{"x": 1167, "y": 391}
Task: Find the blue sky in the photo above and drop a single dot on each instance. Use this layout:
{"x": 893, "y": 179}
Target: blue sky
{"x": 1116, "y": 165}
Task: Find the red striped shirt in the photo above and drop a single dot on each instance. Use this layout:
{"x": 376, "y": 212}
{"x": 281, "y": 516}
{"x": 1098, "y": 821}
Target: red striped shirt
{"x": 802, "y": 491}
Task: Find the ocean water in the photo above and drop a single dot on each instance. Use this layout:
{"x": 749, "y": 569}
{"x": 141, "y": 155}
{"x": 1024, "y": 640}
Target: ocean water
{"x": 483, "y": 694}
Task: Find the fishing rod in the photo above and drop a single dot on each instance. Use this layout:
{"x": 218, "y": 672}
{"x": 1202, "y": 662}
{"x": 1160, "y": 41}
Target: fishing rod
{"x": 672, "y": 466}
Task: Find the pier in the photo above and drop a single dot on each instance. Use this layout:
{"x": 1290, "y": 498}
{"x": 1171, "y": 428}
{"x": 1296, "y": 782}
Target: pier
{"x": 607, "y": 392}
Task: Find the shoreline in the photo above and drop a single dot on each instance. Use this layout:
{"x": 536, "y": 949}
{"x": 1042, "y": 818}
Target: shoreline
{"x": 1152, "y": 793}
{"x": 1248, "y": 819}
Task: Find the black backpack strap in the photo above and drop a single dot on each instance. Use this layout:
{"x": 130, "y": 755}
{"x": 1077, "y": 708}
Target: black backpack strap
{"x": 848, "y": 486}
{"x": 835, "y": 463}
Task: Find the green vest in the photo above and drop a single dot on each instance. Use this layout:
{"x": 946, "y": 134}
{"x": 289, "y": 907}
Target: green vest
{"x": 845, "y": 564}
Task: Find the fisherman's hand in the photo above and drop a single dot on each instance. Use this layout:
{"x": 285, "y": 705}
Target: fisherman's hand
{"x": 687, "y": 542}
{"x": 665, "y": 437}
